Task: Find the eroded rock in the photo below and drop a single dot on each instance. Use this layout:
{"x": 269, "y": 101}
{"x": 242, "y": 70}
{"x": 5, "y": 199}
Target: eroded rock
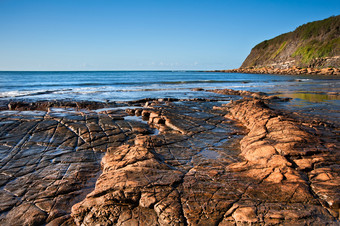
{"x": 50, "y": 160}
{"x": 168, "y": 162}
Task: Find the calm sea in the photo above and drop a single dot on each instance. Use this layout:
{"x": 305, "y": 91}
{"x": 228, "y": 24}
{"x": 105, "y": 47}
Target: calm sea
{"x": 133, "y": 85}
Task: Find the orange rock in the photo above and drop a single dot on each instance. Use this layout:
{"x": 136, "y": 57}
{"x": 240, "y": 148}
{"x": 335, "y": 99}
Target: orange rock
{"x": 275, "y": 177}
{"x": 245, "y": 215}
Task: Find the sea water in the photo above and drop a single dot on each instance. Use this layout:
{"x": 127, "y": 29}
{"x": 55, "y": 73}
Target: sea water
{"x": 134, "y": 85}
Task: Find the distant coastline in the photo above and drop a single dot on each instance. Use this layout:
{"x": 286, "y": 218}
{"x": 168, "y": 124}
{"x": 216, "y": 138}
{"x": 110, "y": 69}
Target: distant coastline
{"x": 288, "y": 71}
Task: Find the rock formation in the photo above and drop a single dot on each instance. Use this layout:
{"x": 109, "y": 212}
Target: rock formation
{"x": 288, "y": 71}
{"x": 313, "y": 49}
{"x": 166, "y": 162}
{"x": 314, "y": 45}
{"x": 50, "y": 160}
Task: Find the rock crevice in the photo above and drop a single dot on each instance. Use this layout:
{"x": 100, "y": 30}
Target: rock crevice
{"x": 165, "y": 162}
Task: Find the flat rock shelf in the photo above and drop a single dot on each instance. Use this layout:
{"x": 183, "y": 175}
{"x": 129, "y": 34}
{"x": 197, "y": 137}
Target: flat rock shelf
{"x": 226, "y": 161}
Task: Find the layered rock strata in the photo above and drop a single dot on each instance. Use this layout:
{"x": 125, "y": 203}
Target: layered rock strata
{"x": 291, "y": 154}
{"x": 277, "y": 180}
{"x": 169, "y": 163}
{"x": 176, "y": 177}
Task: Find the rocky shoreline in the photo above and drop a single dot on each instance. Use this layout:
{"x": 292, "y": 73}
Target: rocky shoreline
{"x": 287, "y": 71}
{"x": 228, "y": 161}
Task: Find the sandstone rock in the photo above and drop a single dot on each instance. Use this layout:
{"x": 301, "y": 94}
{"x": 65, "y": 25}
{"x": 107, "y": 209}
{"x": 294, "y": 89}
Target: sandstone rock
{"x": 29, "y": 214}
{"x": 245, "y": 214}
{"x": 304, "y": 164}
{"x": 50, "y": 160}
{"x": 202, "y": 168}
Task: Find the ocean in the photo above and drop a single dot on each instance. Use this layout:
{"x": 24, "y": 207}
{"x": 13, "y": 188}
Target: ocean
{"x": 133, "y": 85}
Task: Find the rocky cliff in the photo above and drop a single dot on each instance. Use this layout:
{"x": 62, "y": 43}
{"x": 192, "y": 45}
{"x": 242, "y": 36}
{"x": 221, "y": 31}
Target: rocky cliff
{"x": 313, "y": 45}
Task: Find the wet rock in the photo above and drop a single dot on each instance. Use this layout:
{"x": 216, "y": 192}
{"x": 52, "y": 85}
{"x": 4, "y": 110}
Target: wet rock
{"x": 204, "y": 189}
{"x": 50, "y": 160}
{"x": 206, "y": 164}
{"x": 45, "y": 105}
{"x": 156, "y": 172}
{"x": 25, "y": 214}
{"x": 271, "y": 135}
{"x": 197, "y": 89}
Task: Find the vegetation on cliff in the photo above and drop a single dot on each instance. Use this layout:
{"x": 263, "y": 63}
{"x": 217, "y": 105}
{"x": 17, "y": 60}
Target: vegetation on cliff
{"x": 315, "y": 44}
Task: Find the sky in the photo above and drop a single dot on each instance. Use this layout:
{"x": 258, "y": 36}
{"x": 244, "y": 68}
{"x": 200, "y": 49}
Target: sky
{"x": 146, "y": 34}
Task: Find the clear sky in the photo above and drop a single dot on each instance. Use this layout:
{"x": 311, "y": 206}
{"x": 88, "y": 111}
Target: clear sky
{"x": 144, "y": 34}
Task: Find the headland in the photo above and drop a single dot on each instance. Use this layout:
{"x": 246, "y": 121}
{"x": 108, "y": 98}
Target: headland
{"x": 311, "y": 49}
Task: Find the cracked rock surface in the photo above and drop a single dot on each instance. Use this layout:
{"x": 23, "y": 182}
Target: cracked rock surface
{"x": 176, "y": 177}
{"x": 166, "y": 162}
{"x": 50, "y": 160}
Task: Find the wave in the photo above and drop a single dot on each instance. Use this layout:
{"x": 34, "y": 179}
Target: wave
{"x": 13, "y": 94}
{"x": 86, "y": 91}
{"x": 201, "y": 81}
{"x": 94, "y": 84}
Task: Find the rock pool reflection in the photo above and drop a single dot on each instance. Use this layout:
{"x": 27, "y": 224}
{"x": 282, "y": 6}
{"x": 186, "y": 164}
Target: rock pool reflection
{"x": 312, "y": 97}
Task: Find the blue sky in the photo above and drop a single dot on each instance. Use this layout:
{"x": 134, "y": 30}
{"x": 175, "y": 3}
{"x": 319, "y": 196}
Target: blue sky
{"x": 145, "y": 34}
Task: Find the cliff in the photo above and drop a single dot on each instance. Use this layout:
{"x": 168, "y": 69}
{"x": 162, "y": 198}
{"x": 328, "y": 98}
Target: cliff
{"x": 314, "y": 45}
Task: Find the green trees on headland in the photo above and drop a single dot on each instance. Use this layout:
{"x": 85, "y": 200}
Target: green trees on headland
{"x": 315, "y": 44}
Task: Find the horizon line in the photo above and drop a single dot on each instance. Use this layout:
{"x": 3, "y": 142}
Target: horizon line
{"x": 107, "y": 70}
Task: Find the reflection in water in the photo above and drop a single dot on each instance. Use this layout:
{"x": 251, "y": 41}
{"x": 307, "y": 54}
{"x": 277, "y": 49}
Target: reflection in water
{"x": 209, "y": 154}
{"x": 312, "y": 97}
{"x": 323, "y": 105}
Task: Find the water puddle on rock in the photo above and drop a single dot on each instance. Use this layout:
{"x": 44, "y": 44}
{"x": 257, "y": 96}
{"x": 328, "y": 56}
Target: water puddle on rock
{"x": 135, "y": 118}
{"x": 64, "y": 112}
{"x": 219, "y": 130}
{"x": 312, "y": 97}
{"x": 223, "y": 101}
{"x": 116, "y": 108}
{"x": 209, "y": 154}
{"x": 154, "y": 131}
{"x": 23, "y": 113}
{"x": 6, "y": 122}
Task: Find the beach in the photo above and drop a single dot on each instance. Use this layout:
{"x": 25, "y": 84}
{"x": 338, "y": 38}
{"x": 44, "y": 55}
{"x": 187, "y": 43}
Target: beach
{"x": 211, "y": 156}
